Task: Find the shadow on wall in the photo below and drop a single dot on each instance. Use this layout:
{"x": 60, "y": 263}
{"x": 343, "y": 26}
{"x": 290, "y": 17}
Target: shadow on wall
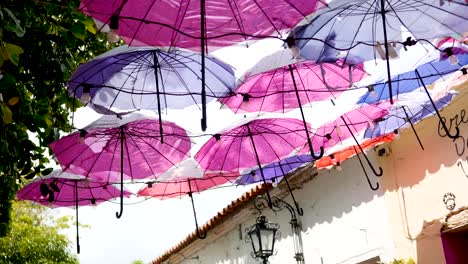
{"x": 409, "y": 160}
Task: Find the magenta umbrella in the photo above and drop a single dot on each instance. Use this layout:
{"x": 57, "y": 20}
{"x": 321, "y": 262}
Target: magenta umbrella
{"x": 184, "y": 23}
{"x": 130, "y": 147}
{"x": 252, "y": 145}
{"x": 182, "y": 186}
{"x": 62, "y": 189}
{"x": 336, "y": 131}
{"x": 197, "y": 25}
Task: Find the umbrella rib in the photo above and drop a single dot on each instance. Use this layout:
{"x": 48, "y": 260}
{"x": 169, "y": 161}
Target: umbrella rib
{"x": 141, "y": 21}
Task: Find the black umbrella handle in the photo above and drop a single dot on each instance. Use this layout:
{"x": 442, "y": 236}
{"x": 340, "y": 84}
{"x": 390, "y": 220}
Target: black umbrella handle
{"x": 299, "y": 210}
{"x": 122, "y": 138}
{"x": 203, "y": 51}
{"x": 309, "y": 142}
{"x": 442, "y": 122}
{"x": 365, "y": 173}
{"x": 384, "y": 24}
{"x": 76, "y": 220}
{"x": 270, "y": 203}
{"x": 199, "y": 234}
{"x": 412, "y": 127}
{"x": 376, "y": 173}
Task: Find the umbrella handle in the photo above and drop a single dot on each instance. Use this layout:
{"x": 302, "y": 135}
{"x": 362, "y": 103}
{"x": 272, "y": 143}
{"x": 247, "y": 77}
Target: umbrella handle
{"x": 199, "y": 234}
{"x": 442, "y": 122}
{"x": 412, "y": 127}
{"x": 77, "y": 223}
{"x": 320, "y": 155}
{"x": 365, "y": 173}
{"x": 380, "y": 171}
{"x": 122, "y": 138}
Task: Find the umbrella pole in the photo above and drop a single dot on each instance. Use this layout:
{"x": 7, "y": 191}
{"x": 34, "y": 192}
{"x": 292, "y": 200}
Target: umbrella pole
{"x": 76, "y": 220}
{"x": 122, "y": 138}
{"x": 365, "y": 172}
{"x": 203, "y": 91}
{"x": 380, "y": 172}
{"x": 299, "y": 210}
{"x": 412, "y": 127}
{"x": 309, "y": 142}
{"x": 156, "y": 69}
{"x": 441, "y": 119}
{"x": 201, "y": 236}
{"x": 389, "y": 75}
{"x": 270, "y": 204}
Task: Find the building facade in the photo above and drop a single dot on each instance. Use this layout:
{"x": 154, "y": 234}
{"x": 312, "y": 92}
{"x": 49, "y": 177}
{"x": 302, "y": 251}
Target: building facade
{"x": 417, "y": 212}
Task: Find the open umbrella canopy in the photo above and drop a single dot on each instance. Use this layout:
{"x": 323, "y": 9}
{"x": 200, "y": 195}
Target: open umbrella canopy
{"x": 252, "y": 144}
{"x": 407, "y": 82}
{"x": 348, "y": 125}
{"x": 132, "y": 148}
{"x": 286, "y": 88}
{"x": 275, "y": 172}
{"x": 360, "y": 28}
{"x": 58, "y": 190}
{"x": 128, "y": 78}
{"x": 183, "y": 23}
{"x": 404, "y": 113}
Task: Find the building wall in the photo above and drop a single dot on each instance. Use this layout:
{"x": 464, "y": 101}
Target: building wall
{"x": 344, "y": 222}
{"x": 416, "y": 181}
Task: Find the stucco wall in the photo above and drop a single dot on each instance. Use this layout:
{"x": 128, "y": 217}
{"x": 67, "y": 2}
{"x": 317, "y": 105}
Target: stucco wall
{"x": 344, "y": 222}
{"x": 416, "y": 181}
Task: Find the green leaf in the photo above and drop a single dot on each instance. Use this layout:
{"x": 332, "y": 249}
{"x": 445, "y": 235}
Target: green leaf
{"x": 13, "y": 52}
{"x": 78, "y": 31}
{"x": 47, "y": 171}
{"x": 7, "y": 115}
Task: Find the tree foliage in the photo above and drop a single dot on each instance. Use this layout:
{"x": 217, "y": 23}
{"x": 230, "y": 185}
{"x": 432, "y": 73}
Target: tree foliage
{"x": 35, "y": 238}
{"x": 41, "y": 43}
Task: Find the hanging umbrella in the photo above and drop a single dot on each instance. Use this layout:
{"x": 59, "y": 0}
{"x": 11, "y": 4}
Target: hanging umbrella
{"x": 334, "y": 134}
{"x": 338, "y": 157}
{"x": 408, "y": 82}
{"x": 185, "y": 23}
{"x": 128, "y": 78}
{"x": 289, "y": 87}
{"x": 275, "y": 172}
{"x": 252, "y": 145}
{"x": 197, "y": 25}
{"x": 361, "y": 27}
{"x": 62, "y": 189}
{"x": 409, "y": 112}
{"x": 131, "y": 148}
{"x": 187, "y": 185}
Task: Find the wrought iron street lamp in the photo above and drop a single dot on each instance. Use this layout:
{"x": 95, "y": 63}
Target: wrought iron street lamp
{"x": 262, "y": 235}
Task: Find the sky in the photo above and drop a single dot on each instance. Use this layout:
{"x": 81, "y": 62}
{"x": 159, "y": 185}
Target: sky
{"x": 149, "y": 227}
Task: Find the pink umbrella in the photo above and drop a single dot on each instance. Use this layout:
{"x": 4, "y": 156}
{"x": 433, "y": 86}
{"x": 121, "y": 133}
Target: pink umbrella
{"x": 252, "y": 145}
{"x": 289, "y": 87}
{"x": 187, "y": 186}
{"x": 62, "y": 189}
{"x": 349, "y": 124}
{"x": 199, "y": 24}
{"x": 185, "y": 23}
{"x": 131, "y": 148}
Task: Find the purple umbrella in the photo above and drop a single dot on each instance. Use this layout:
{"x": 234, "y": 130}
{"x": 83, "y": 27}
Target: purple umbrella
{"x": 64, "y": 189}
{"x": 128, "y": 78}
{"x": 410, "y": 112}
{"x": 275, "y": 172}
{"x": 252, "y": 145}
{"x": 365, "y": 28}
{"x": 131, "y": 147}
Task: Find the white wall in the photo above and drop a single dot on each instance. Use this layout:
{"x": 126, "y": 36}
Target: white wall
{"x": 344, "y": 222}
